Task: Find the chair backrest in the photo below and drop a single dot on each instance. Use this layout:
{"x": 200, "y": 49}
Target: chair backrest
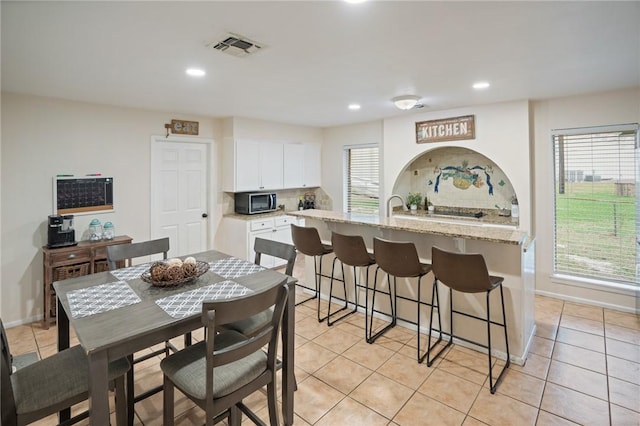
{"x": 276, "y": 249}
{"x": 126, "y": 252}
{"x": 307, "y": 240}
{"x": 465, "y": 272}
{"x": 350, "y": 249}
{"x": 219, "y": 313}
{"x": 8, "y": 413}
{"x": 398, "y": 258}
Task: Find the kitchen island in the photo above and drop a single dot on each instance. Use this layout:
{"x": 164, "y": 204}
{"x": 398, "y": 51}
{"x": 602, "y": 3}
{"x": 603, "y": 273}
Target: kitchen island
{"x": 508, "y": 251}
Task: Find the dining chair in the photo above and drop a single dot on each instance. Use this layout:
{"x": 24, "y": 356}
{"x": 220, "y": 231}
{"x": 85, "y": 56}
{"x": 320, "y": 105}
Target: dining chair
{"x": 218, "y": 373}
{"x": 45, "y": 387}
{"x": 126, "y": 253}
{"x": 251, "y": 326}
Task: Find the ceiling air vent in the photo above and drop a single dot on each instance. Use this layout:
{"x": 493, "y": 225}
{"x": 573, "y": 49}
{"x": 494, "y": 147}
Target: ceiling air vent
{"x": 236, "y": 45}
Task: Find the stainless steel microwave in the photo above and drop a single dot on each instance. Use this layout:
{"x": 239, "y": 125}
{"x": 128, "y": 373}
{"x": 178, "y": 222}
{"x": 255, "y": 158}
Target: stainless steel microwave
{"x": 255, "y": 202}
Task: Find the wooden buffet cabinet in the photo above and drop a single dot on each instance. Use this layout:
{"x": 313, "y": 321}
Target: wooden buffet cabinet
{"x": 87, "y": 257}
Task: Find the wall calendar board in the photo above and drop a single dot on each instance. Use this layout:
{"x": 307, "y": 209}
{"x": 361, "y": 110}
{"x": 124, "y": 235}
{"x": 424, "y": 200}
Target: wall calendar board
{"x": 77, "y": 195}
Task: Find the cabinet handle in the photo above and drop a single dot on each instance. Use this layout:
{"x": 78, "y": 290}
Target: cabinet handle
{"x": 71, "y": 256}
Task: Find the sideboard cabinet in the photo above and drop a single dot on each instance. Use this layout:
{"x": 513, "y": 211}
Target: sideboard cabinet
{"x": 87, "y": 257}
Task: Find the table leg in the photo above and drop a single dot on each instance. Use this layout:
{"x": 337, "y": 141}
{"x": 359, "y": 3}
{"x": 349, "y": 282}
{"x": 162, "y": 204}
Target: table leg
{"x": 288, "y": 379}
{"x": 63, "y": 343}
{"x": 98, "y": 388}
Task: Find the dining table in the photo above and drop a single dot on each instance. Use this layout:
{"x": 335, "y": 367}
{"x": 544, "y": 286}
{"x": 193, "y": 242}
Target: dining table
{"x": 116, "y": 313}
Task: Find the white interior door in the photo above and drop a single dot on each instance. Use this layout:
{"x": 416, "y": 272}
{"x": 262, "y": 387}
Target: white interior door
{"x": 179, "y": 188}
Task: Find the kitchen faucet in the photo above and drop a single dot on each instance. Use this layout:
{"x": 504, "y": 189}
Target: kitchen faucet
{"x": 404, "y": 206}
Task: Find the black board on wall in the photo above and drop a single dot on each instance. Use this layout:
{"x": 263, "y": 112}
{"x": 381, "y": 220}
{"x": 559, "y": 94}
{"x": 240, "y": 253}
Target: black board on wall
{"x": 87, "y": 194}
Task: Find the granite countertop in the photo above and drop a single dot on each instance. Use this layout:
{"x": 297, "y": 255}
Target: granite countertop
{"x": 258, "y": 216}
{"x": 455, "y": 227}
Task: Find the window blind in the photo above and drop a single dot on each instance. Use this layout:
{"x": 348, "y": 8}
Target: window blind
{"x": 596, "y": 213}
{"x": 361, "y": 179}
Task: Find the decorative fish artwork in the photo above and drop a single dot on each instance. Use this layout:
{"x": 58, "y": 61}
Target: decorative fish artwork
{"x": 464, "y": 177}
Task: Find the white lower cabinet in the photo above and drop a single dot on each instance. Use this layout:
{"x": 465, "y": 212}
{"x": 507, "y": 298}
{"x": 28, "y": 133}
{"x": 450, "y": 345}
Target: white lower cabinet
{"x": 237, "y": 236}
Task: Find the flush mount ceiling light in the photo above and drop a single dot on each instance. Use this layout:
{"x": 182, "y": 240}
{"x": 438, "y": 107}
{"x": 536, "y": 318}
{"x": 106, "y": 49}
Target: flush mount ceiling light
{"x": 195, "y": 72}
{"x": 481, "y": 85}
{"x": 354, "y": 107}
{"x": 406, "y": 102}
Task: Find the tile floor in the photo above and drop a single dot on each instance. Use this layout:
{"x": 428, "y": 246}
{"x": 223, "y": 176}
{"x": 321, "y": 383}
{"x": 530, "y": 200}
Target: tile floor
{"x": 584, "y": 368}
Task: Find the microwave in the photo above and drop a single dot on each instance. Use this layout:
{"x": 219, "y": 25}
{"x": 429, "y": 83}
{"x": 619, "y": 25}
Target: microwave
{"x": 255, "y": 202}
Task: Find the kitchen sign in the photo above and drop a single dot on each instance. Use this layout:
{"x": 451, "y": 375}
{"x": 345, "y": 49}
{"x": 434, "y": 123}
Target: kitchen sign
{"x": 446, "y": 129}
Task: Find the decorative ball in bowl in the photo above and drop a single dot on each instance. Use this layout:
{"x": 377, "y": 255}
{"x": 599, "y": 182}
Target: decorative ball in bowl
{"x": 174, "y": 272}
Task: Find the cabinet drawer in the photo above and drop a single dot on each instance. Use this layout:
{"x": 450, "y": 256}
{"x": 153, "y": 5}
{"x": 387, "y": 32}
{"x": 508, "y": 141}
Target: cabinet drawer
{"x": 285, "y": 221}
{"x": 71, "y": 257}
{"x": 257, "y": 225}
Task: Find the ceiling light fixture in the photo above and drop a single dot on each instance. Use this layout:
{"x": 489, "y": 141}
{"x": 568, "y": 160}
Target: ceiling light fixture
{"x": 195, "y": 72}
{"x": 406, "y": 102}
{"x": 481, "y": 85}
{"x": 354, "y": 107}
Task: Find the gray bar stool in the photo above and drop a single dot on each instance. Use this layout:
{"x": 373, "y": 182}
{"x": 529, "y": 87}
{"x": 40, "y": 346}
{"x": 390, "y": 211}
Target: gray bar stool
{"x": 398, "y": 259}
{"x": 350, "y": 250}
{"x": 307, "y": 241}
{"x": 467, "y": 273}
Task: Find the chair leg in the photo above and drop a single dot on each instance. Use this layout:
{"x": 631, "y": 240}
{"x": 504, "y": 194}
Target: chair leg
{"x": 121, "y": 402}
{"x": 235, "y": 416}
{"x": 167, "y": 404}
{"x": 272, "y": 403}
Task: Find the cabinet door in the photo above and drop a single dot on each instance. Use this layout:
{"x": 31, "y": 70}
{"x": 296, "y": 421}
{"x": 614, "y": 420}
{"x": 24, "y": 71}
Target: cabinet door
{"x": 312, "y": 175}
{"x": 271, "y": 165}
{"x": 293, "y": 165}
{"x": 247, "y": 166}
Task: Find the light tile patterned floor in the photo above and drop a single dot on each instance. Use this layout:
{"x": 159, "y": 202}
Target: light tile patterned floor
{"x": 584, "y": 368}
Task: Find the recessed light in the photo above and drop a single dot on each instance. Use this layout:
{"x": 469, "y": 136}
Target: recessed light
{"x": 355, "y": 1}
{"x": 354, "y": 107}
{"x": 195, "y": 72}
{"x": 481, "y": 85}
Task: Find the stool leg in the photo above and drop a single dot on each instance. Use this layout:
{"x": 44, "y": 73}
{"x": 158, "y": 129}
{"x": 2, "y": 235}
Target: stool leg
{"x": 372, "y": 337}
{"x": 346, "y": 299}
{"x": 435, "y": 302}
{"x": 316, "y": 292}
{"x": 318, "y": 277}
{"x": 494, "y": 386}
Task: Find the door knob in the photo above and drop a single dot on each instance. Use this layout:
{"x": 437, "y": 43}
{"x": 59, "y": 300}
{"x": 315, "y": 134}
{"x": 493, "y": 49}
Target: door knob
{"x": 205, "y": 215}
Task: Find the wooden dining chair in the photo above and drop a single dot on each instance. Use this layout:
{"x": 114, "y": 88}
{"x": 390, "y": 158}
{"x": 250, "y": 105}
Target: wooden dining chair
{"x": 45, "y": 387}
{"x": 250, "y": 326}
{"x": 218, "y": 373}
{"x": 116, "y": 254}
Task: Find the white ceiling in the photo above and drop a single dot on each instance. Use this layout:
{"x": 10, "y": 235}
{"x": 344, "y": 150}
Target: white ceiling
{"x": 319, "y": 55}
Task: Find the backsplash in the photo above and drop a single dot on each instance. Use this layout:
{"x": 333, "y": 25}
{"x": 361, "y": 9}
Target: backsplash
{"x": 287, "y": 197}
{"x": 457, "y": 177}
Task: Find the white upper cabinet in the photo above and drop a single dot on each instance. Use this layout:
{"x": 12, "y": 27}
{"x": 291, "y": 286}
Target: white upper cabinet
{"x": 302, "y": 165}
{"x": 254, "y": 165}
{"x": 251, "y": 165}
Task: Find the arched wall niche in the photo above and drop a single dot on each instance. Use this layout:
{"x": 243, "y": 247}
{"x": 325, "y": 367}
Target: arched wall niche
{"x": 456, "y": 177}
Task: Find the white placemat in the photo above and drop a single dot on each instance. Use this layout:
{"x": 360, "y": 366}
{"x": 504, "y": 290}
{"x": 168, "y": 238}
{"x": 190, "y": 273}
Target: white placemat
{"x": 130, "y": 273}
{"x": 101, "y": 298}
{"x": 190, "y": 302}
{"x": 232, "y": 267}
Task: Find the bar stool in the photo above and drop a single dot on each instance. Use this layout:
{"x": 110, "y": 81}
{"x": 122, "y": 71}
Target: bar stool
{"x": 307, "y": 241}
{"x": 398, "y": 259}
{"x": 467, "y": 273}
{"x": 350, "y": 250}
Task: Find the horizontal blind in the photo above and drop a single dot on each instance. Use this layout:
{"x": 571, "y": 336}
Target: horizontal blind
{"x": 362, "y": 180}
{"x": 595, "y": 205}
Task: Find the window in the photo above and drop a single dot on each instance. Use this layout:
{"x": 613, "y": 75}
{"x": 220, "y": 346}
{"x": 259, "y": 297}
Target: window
{"x": 361, "y": 179}
{"x": 596, "y": 203}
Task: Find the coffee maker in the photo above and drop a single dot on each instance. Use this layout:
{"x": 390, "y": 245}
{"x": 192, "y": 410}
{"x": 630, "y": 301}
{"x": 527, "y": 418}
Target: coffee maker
{"x": 61, "y": 232}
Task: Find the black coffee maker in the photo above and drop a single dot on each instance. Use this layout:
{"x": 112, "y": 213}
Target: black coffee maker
{"x": 61, "y": 232}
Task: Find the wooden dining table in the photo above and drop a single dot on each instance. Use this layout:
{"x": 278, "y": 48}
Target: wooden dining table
{"x": 116, "y": 313}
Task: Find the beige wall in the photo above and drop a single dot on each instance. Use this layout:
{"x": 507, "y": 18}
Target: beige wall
{"x": 42, "y": 137}
{"x": 619, "y": 107}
